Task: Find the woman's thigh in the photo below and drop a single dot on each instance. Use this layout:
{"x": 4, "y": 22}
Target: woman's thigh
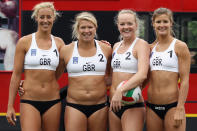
{"x": 114, "y": 122}
{"x": 30, "y": 118}
{"x": 133, "y": 119}
{"x": 98, "y": 120}
{"x": 51, "y": 118}
{"x": 153, "y": 121}
{"x": 74, "y": 120}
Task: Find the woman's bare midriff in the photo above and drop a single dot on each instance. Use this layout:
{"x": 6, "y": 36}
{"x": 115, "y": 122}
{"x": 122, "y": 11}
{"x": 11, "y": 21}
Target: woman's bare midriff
{"x": 40, "y": 85}
{"x": 163, "y": 88}
{"x": 87, "y": 90}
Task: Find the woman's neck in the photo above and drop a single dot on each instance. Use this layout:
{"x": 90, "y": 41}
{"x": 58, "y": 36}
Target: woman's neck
{"x": 43, "y": 35}
{"x": 86, "y": 44}
{"x": 164, "y": 39}
{"x": 129, "y": 41}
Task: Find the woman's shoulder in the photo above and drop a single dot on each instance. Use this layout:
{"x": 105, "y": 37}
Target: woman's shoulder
{"x": 25, "y": 39}
{"x": 67, "y": 50}
{"x": 182, "y": 51}
{"x": 24, "y": 42}
{"x": 180, "y": 43}
{"x": 59, "y": 41}
{"x": 116, "y": 44}
{"x": 142, "y": 42}
{"x": 180, "y": 46}
{"x": 68, "y": 46}
{"x": 152, "y": 45}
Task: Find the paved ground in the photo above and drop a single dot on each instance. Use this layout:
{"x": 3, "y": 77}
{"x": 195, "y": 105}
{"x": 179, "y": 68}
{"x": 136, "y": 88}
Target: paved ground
{"x": 191, "y": 125}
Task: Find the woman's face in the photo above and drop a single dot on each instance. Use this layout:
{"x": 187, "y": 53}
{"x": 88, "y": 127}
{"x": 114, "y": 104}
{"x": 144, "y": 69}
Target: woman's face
{"x": 86, "y": 30}
{"x": 162, "y": 25}
{"x": 127, "y": 25}
{"x": 45, "y": 19}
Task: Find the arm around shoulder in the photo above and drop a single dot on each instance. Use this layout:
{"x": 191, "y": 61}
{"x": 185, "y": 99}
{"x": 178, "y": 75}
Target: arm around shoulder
{"x": 107, "y": 50}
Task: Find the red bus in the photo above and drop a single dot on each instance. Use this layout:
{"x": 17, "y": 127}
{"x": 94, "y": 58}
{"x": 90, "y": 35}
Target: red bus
{"x": 185, "y": 16}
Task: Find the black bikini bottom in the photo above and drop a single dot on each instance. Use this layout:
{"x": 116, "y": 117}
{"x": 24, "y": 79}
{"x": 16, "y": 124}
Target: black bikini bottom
{"x": 161, "y": 110}
{"x": 41, "y": 106}
{"x": 88, "y": 110}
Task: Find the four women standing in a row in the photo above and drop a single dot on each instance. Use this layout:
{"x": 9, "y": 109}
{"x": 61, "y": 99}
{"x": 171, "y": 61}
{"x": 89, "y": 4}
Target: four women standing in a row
{"x": 88, "y": 64}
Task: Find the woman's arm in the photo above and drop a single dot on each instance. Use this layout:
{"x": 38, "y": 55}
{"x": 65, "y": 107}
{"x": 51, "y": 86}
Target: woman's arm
{"x": 184, "y": 59}
{"x": 15, "y": 79}
{"x": 107, "y": 50}
{"x": 143, "y": 52}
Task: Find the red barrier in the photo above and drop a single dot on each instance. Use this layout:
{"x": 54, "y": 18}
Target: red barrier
{"x": 5, "y": 77}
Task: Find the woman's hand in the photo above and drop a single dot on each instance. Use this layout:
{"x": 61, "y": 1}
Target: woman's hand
{"x": 105, "y": 42}
{"x": 11, "y": 116}
{"x": 21, "y": 90}
{"x": 116, "y": 103}
{"x": 179, "y": 116}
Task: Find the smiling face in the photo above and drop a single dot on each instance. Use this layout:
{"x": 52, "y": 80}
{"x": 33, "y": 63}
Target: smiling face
{"x": 45, "y": 18}
{"x": 127, "y": 25}
{"x": 162, "y": 25}
{"x": 86, "y": 30}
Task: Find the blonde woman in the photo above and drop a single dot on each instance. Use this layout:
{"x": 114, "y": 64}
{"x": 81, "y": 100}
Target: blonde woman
{"x": 38, "y": 54}
{"x": 87, "y": 61}
{"x": 130, "y": 61}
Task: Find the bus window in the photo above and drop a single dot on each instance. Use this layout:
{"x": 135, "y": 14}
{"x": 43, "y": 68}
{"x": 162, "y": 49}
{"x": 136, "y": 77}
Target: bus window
{"x": 193, "y": 57}
{"x": 192, "y": 34}
{"x": 189, "y": 35}
{"x": 192, "y": 40}
{"x": 144, "y": 26}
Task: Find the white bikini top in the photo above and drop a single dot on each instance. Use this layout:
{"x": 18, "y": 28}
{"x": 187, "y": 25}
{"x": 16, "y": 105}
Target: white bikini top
{"x": 125, "y": 62}
{"x": 82, "y": 66}
{"x": 37, "y": 58}
{"x": 166, "y": 60}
